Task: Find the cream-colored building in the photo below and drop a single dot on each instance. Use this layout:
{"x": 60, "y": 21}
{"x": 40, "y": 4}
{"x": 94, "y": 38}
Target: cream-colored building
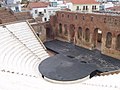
{"x": 85, "y": 5}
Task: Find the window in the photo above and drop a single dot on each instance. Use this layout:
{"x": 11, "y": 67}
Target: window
{"x": 91, "y": 18}
{"x": 45, "y": 19}
{"x": 62, "y": 15}
{"x": 41, "y": 14}
{"x": 104, "y": 20}
{"x": 44, "y": 10}
{"x": 60, "y": 28}
{"x": 77, "y": 8}
{"x": 87, "y": 35}
{"x": 115, "y": 22}
{"x": 95, "y": 8}
{"x": 86, "y": 7}
{"x": 92, "y": 7}
{"x": 83, "y": 7}
{"x": 35, "y": 11}
{"x": 65, "y": 28}
{"x": 17, "y": 9}
{"x": 68, "y": 16}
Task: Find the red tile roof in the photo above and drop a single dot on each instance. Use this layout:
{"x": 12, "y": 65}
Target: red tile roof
{"x": 84, "y": 2}
{"x": 115, "y": 8}
{"x": 37, "y": 5}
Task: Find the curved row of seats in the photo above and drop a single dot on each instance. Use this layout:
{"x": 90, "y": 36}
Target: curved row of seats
{"x": 15, "y": 56}
{"x": 20, "y": 82}
{"x": 111, "y": 80}
{"x": 24, "y": 33}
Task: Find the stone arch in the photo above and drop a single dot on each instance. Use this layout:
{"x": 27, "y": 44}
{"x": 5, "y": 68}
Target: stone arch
{"x": 97, "y": 38}
{"x": 72, "y": 32}
{"x": 108, "y": 40}
{"x": 118, "y": 42}
{"x": 79, "y": 33}
{"x": 49, "y": 33}
{"x": 87, "y": 35}
{"x": 65, "y": 30}
{"x": 60, "y": 28}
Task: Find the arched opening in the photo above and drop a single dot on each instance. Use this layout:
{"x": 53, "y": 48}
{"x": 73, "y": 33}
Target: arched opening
{"x": 97, "y": 38}
{"x": 49, "y": 34}
{"x": 87, "y": 35}
{"x": 60, "y": 28}
{"x": 65, "y": 30}
{"x": 72, "y": 32}
{"x": 79, "y": 33}
{"x": 118, "y": 43}
{"x": 108, "y": 40}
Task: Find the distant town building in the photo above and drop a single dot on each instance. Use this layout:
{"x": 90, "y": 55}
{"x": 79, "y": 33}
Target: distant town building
{"x": 14, "y": 5}
{"x": 114, "y": 9}
{"x": 39, "y": 9}
{"x": 101, "y": 0}
{"x": 12, "y": 1}
{"x": 46, "y": 9}
{"x": 85, "y": 5}
{"x": 105, "y": 5}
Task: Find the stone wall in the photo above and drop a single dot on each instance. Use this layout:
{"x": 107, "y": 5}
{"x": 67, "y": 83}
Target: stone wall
{"x": 91, "y": 31}
{"x": 40, "y": 30}
{"x": 6, "y": 16}
{"x": 22, "y": 15}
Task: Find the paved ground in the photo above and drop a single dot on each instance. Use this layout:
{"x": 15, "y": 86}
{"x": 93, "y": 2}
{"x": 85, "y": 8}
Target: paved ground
{"x": 69, "y": 52}
{"x": 60, "y": 67}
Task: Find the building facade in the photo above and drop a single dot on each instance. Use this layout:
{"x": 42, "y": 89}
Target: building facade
{"x": 91, "y": 31}
{"x": 46, "y": 9}
{"x": 85, "y": 5}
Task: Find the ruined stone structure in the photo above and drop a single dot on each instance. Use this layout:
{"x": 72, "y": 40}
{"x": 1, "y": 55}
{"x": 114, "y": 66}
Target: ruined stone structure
{"x": 7, "y": 15}
{"x": 39, "y": 29}
{"x": 91, "y": 31}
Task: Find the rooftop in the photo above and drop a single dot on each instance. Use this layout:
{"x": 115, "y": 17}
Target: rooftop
{"x": 115, "y": 8}
{"x": 84, "y": 2}
{"x": 37, "y": 5}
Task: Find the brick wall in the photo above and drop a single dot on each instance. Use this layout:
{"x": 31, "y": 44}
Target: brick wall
{"x": 103, "y": 23}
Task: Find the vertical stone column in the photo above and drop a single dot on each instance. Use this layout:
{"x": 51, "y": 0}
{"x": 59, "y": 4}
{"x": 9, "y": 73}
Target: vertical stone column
{"x": 68, "y": 29}
{"x": 63, "y": 29}
{"x": 92, "y": 39}
{"x": 103, "y": 41}
{"x": 56, "y": 30}
{"x": 75, "y": 34}
{"x": 113, "y": 46}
